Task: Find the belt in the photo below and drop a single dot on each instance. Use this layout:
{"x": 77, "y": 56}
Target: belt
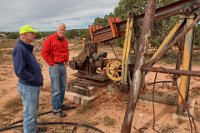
{"x": 60, "y": 63}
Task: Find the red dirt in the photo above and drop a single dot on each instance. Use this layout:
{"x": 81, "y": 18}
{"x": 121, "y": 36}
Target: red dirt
{"x": 108, "y": 107}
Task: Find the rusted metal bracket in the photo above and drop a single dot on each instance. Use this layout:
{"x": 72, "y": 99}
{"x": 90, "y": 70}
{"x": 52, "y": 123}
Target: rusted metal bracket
{"x": 110, "y": 33}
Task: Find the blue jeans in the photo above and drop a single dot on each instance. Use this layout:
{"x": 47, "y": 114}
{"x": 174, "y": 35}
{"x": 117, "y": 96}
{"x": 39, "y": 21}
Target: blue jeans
{"x": 58, "y": 76}
{"x": 30, "y": 100}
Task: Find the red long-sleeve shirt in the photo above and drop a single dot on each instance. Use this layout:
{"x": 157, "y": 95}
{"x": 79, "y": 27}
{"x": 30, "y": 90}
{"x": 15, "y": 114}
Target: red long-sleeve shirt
{"x": 54, "y": 50}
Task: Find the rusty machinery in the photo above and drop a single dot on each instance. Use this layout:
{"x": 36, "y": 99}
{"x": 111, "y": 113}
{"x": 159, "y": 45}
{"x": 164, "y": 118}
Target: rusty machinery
{"x": 127, "y": 27}
{"x": 90, "y": 64}
{"x": 183, "y": 31}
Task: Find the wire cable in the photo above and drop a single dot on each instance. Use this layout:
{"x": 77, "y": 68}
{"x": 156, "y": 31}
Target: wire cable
{"x": 43, "y": 113}
{"x": 55, "y": 123}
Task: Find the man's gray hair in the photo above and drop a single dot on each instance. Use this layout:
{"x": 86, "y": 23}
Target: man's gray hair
{"x": 61, "y": 25}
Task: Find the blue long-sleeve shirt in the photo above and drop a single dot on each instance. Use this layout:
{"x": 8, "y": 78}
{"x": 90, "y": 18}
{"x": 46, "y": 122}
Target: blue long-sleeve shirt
{"x": 26, "y": 66}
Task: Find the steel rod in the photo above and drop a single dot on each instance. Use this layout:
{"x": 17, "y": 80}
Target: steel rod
{"x": 171, "y": 71}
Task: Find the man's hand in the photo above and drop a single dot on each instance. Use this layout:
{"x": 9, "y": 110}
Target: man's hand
{"x": 67, "y": 64}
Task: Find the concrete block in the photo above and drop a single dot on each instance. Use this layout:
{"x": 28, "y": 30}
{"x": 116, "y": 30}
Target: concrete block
{"x": 77, "y": 98}
{"x": 85, "y": 91}
{"x": 86, "y": 100}
{"x": 73, "y": 97}
{"x": 91, "y": 90}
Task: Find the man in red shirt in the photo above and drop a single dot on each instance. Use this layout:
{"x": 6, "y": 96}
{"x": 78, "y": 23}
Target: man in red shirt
{"x": 56, "y": 54}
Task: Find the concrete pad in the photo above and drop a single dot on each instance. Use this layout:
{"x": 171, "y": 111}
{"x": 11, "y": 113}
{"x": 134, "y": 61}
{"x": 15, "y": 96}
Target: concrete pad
{"x": 86, "y": 100}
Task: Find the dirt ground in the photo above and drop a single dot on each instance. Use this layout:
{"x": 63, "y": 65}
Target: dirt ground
{"x": 106, "y": 112}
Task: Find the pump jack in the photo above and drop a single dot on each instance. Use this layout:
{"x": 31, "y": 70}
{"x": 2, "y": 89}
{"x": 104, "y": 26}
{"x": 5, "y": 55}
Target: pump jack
{"x": 130, "y": 72}
{"x": 183, "y": 30}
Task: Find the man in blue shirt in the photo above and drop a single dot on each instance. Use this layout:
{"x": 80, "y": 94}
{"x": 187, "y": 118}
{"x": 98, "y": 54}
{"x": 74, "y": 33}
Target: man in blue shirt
{"x": 30, "y": 76}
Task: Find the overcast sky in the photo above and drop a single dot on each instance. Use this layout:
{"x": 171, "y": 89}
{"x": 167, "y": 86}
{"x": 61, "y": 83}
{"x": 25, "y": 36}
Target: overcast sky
{"x": 44, "y": 15}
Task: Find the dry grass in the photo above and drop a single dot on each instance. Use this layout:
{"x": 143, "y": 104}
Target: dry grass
{"x": 168, "y": 128}
{"x": 3, "y": 119}
{"x": 60, "y": 129}
{"x": 1, "y": 115}
{"x": 108, "y": 121}
{"x": 180, "y": 120}
{"x": 14, "y": 105}
{"x": 197, "y": 115}
{"x": 5, "y": 56}
{"x": 5, "y": 72}
{"x": 10, "y": 110}
{"x": 3, "y": 91}
{"x": 7, "y": 43}
{"x": 2, "y": 78}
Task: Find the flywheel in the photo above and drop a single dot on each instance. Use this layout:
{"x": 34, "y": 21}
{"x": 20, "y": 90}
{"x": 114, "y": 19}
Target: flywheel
{"x": 114, "y": 69}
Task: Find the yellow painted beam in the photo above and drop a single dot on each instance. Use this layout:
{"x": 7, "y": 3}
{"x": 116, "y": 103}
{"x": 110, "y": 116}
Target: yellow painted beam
{"x": 187, "y": 56}
{"x": 167, "y": 39}
{"x": 126, "y": 49}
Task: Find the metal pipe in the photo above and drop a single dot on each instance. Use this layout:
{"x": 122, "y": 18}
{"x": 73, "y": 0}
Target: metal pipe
{"x": 178, "y": 65}
{"x": 140, "y": 59}
{"x": 171, "y": 71}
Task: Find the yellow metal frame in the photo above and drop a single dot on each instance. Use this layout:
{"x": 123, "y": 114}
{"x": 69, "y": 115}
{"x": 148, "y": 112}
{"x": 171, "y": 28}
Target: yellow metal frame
{"x": 126, "y": 49}
{"x": 167, "y": 39}
{"x": 187, "y": 56}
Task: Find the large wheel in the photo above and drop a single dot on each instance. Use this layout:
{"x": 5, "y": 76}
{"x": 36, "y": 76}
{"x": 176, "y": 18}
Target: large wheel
{"x": 114, "y": 69}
